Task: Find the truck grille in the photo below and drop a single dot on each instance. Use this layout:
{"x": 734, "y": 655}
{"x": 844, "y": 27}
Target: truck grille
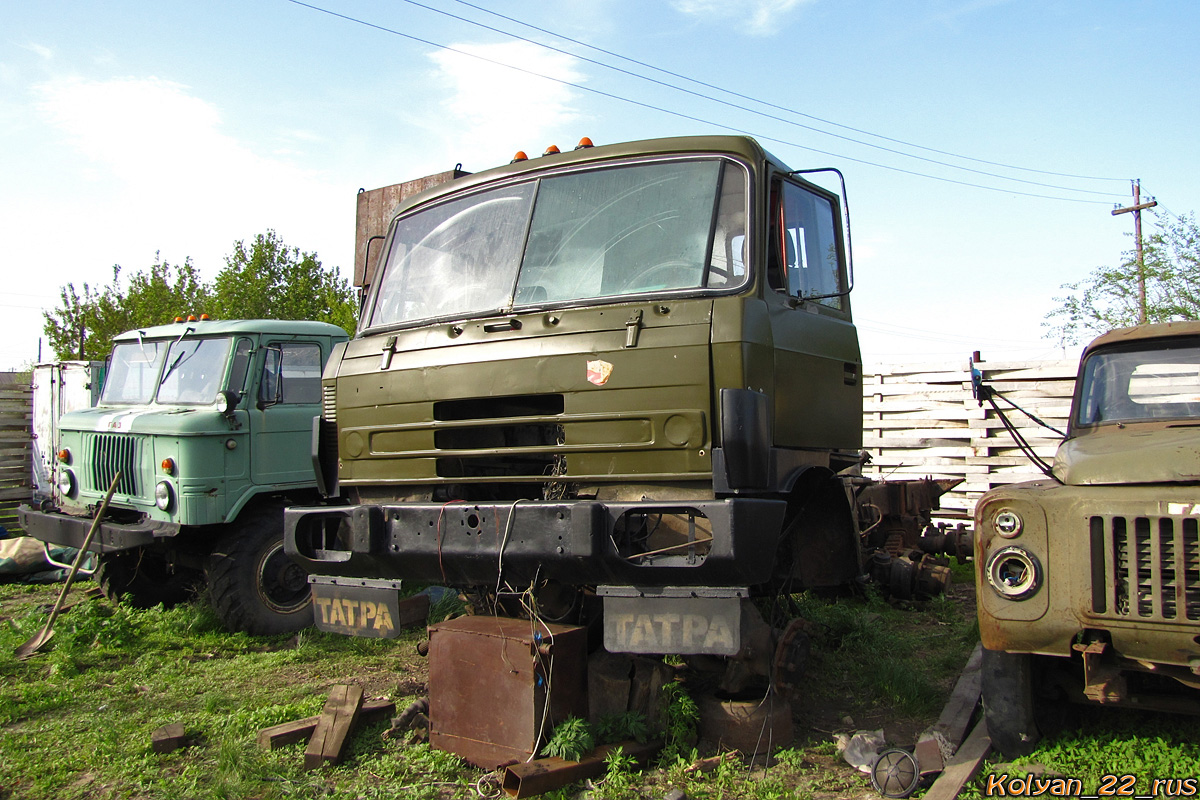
{"x": 1145, "y": 567}
{"x": 329, "y": 402}
{"x": 105, "y": 455}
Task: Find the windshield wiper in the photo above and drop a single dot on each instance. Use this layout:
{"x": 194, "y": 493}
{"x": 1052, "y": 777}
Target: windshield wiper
{"x": 181, "y": 357}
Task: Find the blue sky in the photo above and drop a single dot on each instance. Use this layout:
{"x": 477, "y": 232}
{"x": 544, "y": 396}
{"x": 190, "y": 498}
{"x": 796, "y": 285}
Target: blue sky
{"x": 129, "y": 129}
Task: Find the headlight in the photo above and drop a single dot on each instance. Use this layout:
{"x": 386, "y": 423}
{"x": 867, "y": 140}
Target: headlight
{"x": 1008, "y": 523}
{"x": 226, "y": 402}
{"x": 66, "y": 482}
{"x": 163, "y": 495}
{"x": 1014, "y": 572}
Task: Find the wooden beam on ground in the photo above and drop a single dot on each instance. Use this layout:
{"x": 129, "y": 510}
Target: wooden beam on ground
{"x": 333, "y": 728}
{"x": 301, "y": 730}
{"x": 168, "y": 738}
{"x": 963, "y": 766}
{"x": 951, "y": 726}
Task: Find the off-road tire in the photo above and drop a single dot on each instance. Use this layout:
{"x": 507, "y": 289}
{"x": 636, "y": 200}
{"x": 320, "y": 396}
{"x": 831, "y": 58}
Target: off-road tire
{"x": 1007, "y": 682}
{"x": 253, "y": 585}
{"x": 143, "y": 578}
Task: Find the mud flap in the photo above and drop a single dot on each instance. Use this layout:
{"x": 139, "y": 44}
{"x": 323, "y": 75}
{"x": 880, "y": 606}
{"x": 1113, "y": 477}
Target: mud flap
{"x": 672, "y": 620}
{"x": 371, "y": 609}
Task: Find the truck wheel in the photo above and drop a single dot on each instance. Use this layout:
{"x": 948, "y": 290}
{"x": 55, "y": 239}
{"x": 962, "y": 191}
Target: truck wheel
{"x": 144, "y": 579}
{"x": 1007, "y": 680}
{"x": 254, "y": 586}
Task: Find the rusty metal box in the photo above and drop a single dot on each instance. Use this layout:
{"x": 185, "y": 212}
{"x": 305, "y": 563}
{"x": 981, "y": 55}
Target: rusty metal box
{"x": 489, "y": 680}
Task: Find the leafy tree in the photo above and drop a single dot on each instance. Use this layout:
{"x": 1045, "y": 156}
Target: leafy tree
{"x": 152, "y": 297}
{"x": 1108, "y": 298}
{"x": 267, "y": 279}
{"x": 66, "y": 326}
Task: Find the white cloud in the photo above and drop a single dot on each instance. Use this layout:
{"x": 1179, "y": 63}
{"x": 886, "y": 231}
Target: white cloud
{"x": 147, "y": 131}
{"x": 504, "y": 105}
{"x": 162, "y": 156}
{"x": 119, "y": 169}
{"x": 41, "y": 51}
{"x": 757, "y": 17}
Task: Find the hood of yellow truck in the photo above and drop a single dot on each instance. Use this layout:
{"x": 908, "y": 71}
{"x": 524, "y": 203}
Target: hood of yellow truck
{"x": 1143, "y": 453}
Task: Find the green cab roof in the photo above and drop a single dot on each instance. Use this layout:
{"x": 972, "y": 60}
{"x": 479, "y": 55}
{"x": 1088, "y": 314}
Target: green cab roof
{"x": 218, "y": 327}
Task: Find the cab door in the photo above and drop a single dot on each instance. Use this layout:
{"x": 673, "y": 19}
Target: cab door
{"x": 286, "y": 398}
{"x": 818, "y": 392}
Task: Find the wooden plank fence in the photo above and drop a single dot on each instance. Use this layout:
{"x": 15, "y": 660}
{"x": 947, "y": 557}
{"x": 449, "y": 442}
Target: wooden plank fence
{"x": 918, "y": 420}
{"x": 16, "y": 445}
{"x": 921, "y": 420}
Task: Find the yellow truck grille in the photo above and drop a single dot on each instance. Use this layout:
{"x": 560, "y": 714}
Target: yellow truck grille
{"x": 1145, "y": 567}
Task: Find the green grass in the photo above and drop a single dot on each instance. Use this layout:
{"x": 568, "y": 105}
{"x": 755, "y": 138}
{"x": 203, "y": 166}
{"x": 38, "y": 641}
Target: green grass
{"x": 1095, "y": 744}
{"x": 75, "y": 720}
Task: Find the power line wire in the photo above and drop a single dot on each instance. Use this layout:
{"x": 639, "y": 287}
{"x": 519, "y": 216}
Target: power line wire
{"x": 753, "y": 99}
{"x": 682, "y": 115}
{"x": 736, "y": 106}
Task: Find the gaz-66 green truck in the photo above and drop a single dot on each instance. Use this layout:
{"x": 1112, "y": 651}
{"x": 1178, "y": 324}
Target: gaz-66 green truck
{"x": 209, "y": 424}
{"x": 1089, "y": 580}
{"x": 621, "y": 381}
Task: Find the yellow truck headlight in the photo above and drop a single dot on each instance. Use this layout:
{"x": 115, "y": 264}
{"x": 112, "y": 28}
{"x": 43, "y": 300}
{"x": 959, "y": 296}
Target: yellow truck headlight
{"x": 1008, "y": 523}
{"x": 1014, "y": 572}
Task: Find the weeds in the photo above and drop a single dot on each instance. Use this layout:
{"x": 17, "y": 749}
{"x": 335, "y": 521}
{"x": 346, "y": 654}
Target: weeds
{"x": 680, "y": 717}
{"x": 620, "y": 776}
{"x": 572, "y": 740}
{"x": 75, "y": 720}
{"x": 622, "y": 728}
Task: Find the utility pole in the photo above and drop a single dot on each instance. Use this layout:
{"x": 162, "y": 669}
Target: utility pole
{"x": 1136, "y": 209}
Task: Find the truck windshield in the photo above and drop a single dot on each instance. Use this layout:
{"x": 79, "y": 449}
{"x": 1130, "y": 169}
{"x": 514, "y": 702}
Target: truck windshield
{"x": 601, "y": 233}
{"x": 133, "y": 372}
{"x": 1132, "y": 385}
{"x": 194, "y": 371}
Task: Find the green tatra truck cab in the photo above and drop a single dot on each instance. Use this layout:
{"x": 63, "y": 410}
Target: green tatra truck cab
{"x": 209, "y": 425}
{"x": 621, "y": 377}
{"x": 1089, "y": 581}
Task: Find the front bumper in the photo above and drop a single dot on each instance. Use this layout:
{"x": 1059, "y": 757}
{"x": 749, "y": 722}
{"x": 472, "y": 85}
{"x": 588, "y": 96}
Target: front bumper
{"x": 478, "y": 544}
{"x": 62, "y": 529}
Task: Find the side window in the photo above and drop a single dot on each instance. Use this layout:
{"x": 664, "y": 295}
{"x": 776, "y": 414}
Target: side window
{"x": 807, "y": 246}
{"x": 241, "y": 362}
{"x": 291, "y": 374}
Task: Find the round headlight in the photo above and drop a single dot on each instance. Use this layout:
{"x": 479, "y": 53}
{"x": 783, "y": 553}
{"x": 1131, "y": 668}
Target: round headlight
{"x": 163, "y": 495}
{"x": 1008, "y": 523}
{"x": 1014, "y": 572}
{"x": 225, "y": 402}
{"x": 66, "y": 482}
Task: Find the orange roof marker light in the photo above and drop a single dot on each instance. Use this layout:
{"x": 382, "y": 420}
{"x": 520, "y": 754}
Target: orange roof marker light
{"x": 205, "y": 317}
{"x": 551, "y": 150}
{"x": 584, "y": 143}
{"x": 191, "y": 318}
{"x": 520, "y": 156}
{"x": 179, "y": 319}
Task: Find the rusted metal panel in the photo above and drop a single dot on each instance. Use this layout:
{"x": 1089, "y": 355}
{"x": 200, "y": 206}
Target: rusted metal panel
{"x": 490, "y": 679}
{"x": 546, "y": 774}
{"x": 374, "y": 212}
